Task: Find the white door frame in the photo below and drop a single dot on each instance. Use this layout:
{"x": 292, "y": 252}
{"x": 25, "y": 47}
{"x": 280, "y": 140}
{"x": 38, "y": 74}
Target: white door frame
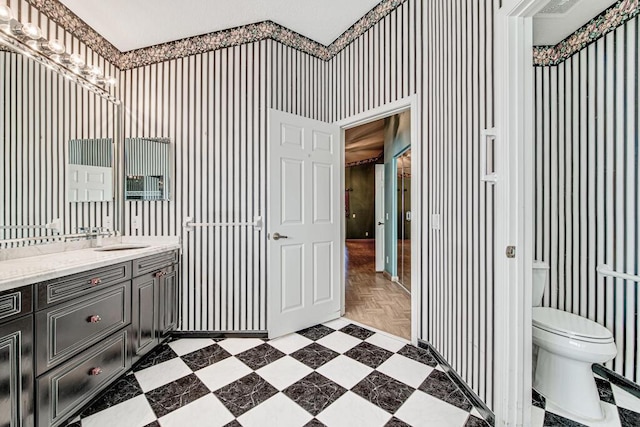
{"x": 408, "y": 103}
{"x": 515, "y": 205}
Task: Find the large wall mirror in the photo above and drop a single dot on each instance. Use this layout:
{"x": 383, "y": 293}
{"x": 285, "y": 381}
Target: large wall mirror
{"x": 57, "y": 157}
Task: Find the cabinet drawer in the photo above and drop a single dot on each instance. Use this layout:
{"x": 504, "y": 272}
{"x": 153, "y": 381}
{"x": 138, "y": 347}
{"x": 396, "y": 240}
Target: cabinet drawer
{"x": 65, "y": 288}
{"x": 15, "y": 303}
{"x": 68, "y": 387}
{"x": 66, "y": 329}
{"x": 155, "y": 262}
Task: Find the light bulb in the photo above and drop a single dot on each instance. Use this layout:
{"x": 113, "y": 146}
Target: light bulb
{"x": 76, "y": 60}
{"x": 56, "y": 47}
{"x": 96, "y": 71}
{"x": 5, "y": 14}
{"x": 32, "y": 31}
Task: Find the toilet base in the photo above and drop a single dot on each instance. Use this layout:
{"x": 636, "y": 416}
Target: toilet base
{"x": 569, "y": 384}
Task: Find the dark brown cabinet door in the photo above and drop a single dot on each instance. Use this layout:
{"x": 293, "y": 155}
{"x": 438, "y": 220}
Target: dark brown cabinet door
{"x": 169, "y": 300}
{"x": 144, "y": 322}
{"x": 16, "y": 373}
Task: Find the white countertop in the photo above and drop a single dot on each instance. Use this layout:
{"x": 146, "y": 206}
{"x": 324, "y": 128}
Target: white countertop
{"x": 25, "y": 271}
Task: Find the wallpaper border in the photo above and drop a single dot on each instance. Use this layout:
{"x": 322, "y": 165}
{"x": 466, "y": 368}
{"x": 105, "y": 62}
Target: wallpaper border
{"x": 607, "y": 21}
{"x": 250, "y": 33}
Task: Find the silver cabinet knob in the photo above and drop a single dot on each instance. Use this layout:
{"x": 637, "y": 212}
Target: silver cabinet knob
{"x": 278, "y": 236}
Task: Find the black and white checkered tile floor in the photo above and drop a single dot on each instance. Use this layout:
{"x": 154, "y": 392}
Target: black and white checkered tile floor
{"x": 336, "y": 374}
{"x": 621, "y": 408}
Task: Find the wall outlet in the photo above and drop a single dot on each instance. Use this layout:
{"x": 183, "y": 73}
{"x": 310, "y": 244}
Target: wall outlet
{"x": 386, "y": 217}
{"x": 108, "y": 222}
{"x": 366, "y": 234}
{"x": 387, "y": 260}
{"x": 353, "y": 215}
{"x": 136, "y": 223}
{"x": 436, "y": 222}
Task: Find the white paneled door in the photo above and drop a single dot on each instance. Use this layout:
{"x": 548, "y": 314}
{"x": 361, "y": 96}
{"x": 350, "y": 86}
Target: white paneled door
{"x": 304, "y": 223}
{"x": 380, "y": 217}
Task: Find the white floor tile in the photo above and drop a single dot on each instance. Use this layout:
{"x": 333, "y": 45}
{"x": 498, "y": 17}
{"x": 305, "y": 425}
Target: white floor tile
{"x": 284, "y": 372}
{"x": 386, "y": 342}
{"x": 279, "y": 411}
{"x": 405, "y": 370}
{"x": 611, "y": 416}
{"x": 188, "y": 345}
{"x": 207, "y": 411}
{"x": 290, "y": 343}
{"x": 238, "y": 345}
{"x": 351, "y": 410}
{"x": 134, "y": 412}
{"x": 625, "y": 399}
{"x": 339, "y": 323}
{"x": 161, "y": 374}
{"x": 222, "y": 373}
{"x": 339, "y": 341}
{"x": 344, "y": 371}
{"x": 424, "y": 410}
{"x": 537, "y": 417}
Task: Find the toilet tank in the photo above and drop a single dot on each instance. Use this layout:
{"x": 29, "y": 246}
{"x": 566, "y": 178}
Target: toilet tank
{"x": 540, "y": 277}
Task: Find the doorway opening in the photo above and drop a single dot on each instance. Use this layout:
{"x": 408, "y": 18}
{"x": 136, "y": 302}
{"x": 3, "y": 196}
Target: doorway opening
{"x": 377, "y": 180}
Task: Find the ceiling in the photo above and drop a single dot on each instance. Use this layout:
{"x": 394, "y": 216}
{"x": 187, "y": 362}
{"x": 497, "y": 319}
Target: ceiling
{"x": 134, "y": 24}
{"x": 364, "y": 142}
{"x": 559, "y": 18}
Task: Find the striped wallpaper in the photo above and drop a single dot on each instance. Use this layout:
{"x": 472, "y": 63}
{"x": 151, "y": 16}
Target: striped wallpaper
{"x": 91, "y": 152}
{"x": 588, "y": 187}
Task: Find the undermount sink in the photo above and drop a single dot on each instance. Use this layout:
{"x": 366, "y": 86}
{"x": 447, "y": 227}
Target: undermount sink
{"x": 122, "y": 247}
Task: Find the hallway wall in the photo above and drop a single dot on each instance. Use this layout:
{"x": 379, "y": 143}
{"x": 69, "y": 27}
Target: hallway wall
{"x": 361, "y": 180}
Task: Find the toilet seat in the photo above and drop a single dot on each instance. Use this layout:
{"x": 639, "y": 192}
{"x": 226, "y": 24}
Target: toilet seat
{"x": 570, "y": 325}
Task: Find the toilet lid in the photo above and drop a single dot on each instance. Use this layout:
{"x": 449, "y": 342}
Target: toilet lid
{"x": 569, "y": 324}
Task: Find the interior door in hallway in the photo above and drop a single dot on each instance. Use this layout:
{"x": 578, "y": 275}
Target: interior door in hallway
{"x": 379, "y": 217}
{"x": 304, "y": 223}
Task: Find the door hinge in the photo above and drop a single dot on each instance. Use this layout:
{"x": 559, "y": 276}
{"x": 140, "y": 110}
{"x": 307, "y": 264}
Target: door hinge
{"x": 511, "y": 252}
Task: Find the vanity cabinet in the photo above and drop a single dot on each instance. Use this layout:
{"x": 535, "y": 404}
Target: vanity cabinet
{"x": 155, "y": 301}
{"x": 16, "y": 358}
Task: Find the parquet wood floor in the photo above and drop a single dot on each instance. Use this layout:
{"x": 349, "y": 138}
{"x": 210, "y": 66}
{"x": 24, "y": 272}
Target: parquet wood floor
{"x": 371, "y": 298}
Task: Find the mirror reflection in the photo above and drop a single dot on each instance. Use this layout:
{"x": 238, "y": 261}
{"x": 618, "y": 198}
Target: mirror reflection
{"x": 147, "y": 168}
{"x": 56, "y": 154}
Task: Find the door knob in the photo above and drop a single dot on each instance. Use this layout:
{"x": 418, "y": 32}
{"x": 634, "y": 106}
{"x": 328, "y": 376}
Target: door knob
{"x": 380, "y": 223}
{"x": 278, "y": 236}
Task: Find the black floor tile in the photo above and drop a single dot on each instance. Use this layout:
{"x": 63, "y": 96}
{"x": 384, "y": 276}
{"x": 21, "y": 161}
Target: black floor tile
{"x": 314, "y": 355}
{"x": 314, "y": 392}
{"x": 605, "y": 391}
{"x": 475, "y": 422}
{"x": 394, "y": 422}
{"x": 181, "y": 392}
{"x": 357, "y": 331}
{"x": 538, "y": 400}
{"x": 383, "y": 391}
{"x": 439, "y": 385}
{"x": 316, "y": 332}
{"x": 204, "y": 357}
{"x": 155, "y": 357}
{"x": 419, "y": 355}
{"x": 123, "y": 389}
{"x": 628, "y": 418}
{"x": 314, "y": 423}
{"x": 245, "y": 393}
{"x": 369, "y": 354}
{"x": 553, "y": 420}
{"x": 260, "y": 356}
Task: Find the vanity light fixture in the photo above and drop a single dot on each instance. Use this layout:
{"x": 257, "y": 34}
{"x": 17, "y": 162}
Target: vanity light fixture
{"x": 30, "y": 35}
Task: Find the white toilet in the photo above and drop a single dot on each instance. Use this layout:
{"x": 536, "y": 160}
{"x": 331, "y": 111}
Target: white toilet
{"x": 568, "y": 345}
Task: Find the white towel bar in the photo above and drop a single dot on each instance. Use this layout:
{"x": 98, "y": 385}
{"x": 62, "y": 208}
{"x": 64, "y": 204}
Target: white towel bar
{"x": 606, "y": 270}
{"x": 189, "y": 225}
